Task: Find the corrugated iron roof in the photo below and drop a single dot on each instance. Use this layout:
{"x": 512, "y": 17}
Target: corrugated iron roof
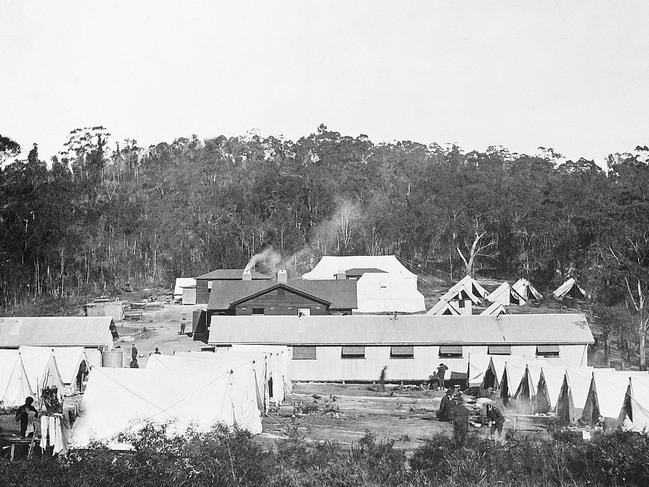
{"x": 232, "y": 275}
{"x": 519, "y": 329}
{"x": 340, "y": 293}
{"x": 57, "y": 331}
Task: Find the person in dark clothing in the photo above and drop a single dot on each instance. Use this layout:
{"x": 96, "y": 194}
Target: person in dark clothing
{"x": 384, "y": 374}
{"x": 460, "y": 416}
{"x": 182, "y": 326}
{"x": 134, "y": 364}
{"x": 22, "y": 414}
{"x": 134, "y": 353}
{"x": 445, "y": 406}
{"x": 157, "y": 352}
{"x": 441, "y": 371}
{"x": 497, "y": 419}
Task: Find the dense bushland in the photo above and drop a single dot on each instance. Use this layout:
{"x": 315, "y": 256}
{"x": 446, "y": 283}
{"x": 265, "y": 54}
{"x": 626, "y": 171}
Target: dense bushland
{"x": 101, "y": 215}
{"x": 226, "y": 458}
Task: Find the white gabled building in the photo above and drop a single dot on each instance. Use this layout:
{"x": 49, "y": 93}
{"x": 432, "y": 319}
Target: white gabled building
{"x": 356, "y": 348}
{"x": 384, "y": 284}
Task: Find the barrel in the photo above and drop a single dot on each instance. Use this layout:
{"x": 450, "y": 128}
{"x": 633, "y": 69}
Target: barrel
{"x": 112, "y": 358}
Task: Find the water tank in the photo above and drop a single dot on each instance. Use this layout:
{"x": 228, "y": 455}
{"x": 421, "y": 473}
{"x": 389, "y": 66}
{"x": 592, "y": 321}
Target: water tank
{"x": 112, "y": 358}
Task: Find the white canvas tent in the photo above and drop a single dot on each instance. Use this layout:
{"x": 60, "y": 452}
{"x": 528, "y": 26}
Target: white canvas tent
{"x": 118, "y": 400}
{"x": 525, "y": 289}
{"x": 444, "y": 308}
{"x": 494, "y": 309}
{"x": 182, "y": 282}
{"x": 606, "y": 396}
{"x": 189, "y": 361}
{"x": 505, "y": 295}
{"x": 573, "y": 394}
{"x": 14, "y": 385}
{"x": 570, "y": 288}
{"x": 636, "y": 405}
{"x": 41, "y": 368}
{"x": 470, "y": 286}
{"x": 387, "y": 293}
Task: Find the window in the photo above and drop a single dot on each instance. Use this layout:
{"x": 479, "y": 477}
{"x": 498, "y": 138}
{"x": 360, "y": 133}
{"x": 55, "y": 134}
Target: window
{"x": 352, "y": 352}
{"x": 547, "y": 351}
{"x": 402, "y": 352}
{"x": 304, "y": 353}
{"x": 450, "y": 351}
{"x": 499, "y": 349}
{"x": 304, "y": 311}
{"x": 257, "y": 311}
{"x": 209, "y": 285}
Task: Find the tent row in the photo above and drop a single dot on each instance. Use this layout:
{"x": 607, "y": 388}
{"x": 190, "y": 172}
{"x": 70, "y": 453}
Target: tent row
{"x": 27, "y": 370}
{"x": 197, "y": 389}
{"x": 467, "y": 293}
{"x": 574, "y": 394}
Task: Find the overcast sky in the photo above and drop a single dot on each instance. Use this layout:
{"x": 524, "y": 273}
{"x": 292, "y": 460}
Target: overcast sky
{"x": 572, "y": 75}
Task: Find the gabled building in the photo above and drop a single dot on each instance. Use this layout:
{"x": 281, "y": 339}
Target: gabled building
{"x": 356, "y": 348}
{"x": 283, "y": 297}
{"x": 205, "y": 282}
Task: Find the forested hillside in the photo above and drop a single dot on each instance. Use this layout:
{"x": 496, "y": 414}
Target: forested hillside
{"x": 102, "y": 214}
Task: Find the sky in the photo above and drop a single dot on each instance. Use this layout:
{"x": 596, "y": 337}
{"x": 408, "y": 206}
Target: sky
{"x": 571, "y": 75}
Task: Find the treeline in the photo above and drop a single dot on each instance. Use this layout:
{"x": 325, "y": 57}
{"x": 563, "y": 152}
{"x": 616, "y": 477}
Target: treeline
{"x": 100, "y": 215}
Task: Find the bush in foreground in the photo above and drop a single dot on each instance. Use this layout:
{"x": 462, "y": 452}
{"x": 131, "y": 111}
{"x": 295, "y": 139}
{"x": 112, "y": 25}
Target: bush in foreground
{"x": 234, "y": 458}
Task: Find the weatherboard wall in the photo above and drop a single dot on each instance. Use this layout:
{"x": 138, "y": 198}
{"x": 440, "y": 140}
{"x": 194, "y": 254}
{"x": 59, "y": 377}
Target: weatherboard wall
{"x": 329, "y": 365}
{"x": 280, "y": 302}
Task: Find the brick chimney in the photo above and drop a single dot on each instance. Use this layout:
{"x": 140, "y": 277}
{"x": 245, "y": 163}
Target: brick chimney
{"x": 247, "y": 275}
{"x": 282, "y": 277}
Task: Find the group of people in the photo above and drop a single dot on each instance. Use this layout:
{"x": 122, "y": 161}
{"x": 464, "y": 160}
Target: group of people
{"x": 454, "y": 408}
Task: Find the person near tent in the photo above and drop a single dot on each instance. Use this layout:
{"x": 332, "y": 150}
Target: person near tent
{"x": 382, "y": 377}
{"x": 460, "y": 417}
{"x": 134, "y": 364}
{"x": 134, "y": 352}
{"x": 182, "y": 326}
{"x": 156, "y": 351}
{"x": 441, "y": 372}
{"x": 497, "y": 419}
{"x": 445, "y": 406}
{"x": 26, "y": 414}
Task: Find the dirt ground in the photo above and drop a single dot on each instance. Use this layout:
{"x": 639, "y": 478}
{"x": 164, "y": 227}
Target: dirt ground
{"x": 159, "y": 327}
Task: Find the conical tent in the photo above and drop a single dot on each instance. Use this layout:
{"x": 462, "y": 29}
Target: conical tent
{"x": 69, "y": 360}
{"x": 444, "y": 308}
{"x": 636, "y": 406}
{"x": 41, "y": 368}
{"x": 494, "y": 309}
{"x": 525, "y": 289}
{"x": 512, "y": 375}
{"x": 570, "y": 288}
{"x": 14, "y": 384}
{"x": 573, "y": 394}
{"x": 505, "y": 295}
{"x": 606, "y": 397}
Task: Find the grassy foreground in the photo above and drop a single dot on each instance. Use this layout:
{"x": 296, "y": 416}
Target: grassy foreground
{"x": 226, "y": 458}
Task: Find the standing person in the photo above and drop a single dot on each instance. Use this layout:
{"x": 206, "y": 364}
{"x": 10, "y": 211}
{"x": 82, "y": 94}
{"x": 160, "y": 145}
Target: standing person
{"x": 156, "y": 352}
{"x": 441, "y": 372}
{"x": 445, "y": 406}
{"x": 134, "y": 352}
{"x": 497, "y": 419}
{"x": 460, "y": 417}
{"x": 384, "y": 374}
{"x": 23, "y": 413}
{"x": 182, "y": 326}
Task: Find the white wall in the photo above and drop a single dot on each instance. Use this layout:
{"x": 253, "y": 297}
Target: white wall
{"x": 330, "y": 366}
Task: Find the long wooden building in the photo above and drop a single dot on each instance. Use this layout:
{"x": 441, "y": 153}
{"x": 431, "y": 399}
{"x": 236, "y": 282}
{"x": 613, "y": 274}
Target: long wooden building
{"x": 356, "y": 348}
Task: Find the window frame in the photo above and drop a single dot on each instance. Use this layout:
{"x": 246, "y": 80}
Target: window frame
{"x": 448, "y": 355}
{"x": 350, "y": 354}
{"x": 402, "y": 356}
{"x": 304, "y": 348}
